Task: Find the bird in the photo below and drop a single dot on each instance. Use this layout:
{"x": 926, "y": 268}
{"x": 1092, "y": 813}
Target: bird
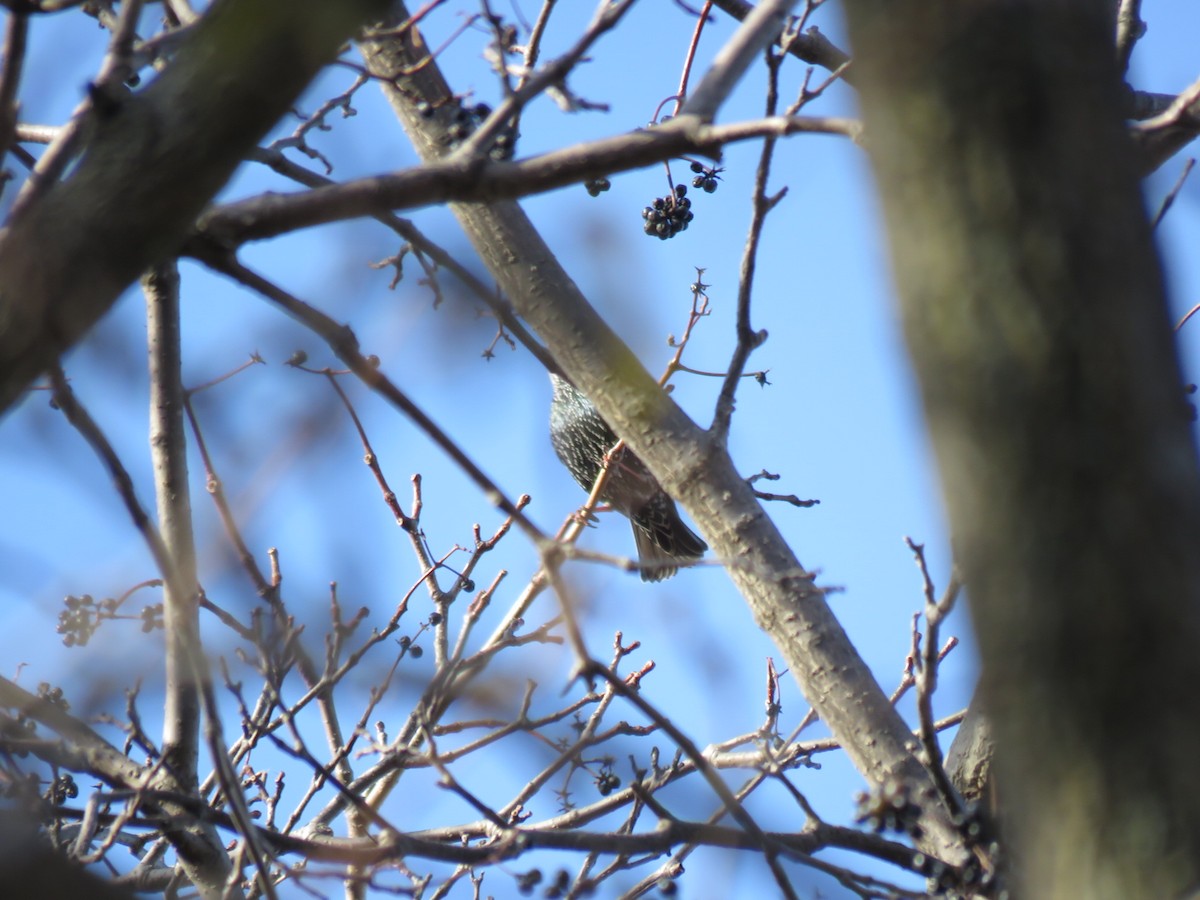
{"x": 582, "y": 439}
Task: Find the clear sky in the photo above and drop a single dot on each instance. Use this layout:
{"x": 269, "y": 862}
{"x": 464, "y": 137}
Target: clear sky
{"x": 839, "y": 422}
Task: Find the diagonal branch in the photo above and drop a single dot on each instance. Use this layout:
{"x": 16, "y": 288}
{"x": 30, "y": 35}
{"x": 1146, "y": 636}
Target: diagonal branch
{"x": 780, "y": 592}
{"x": 154, "y": 160}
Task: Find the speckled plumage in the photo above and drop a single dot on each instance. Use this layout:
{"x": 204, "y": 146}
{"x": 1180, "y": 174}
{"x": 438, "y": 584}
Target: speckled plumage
{"x": 581, "y": 439}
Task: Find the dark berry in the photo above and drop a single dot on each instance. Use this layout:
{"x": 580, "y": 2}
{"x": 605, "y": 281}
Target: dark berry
{"x": 528, "y": 881}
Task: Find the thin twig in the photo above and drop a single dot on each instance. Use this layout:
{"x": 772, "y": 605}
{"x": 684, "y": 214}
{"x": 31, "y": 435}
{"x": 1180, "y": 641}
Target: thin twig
{"x": 926, "y": 676}
{"x": 345, "y": 346}
{"x": 701, "y": 21}
{"x": 15, "y": 39}
{"x": 747, "y": 338}
{"x": 758, "y": 30}
{"x": 109, "y": 83}
{"x": 1169, "y": 199}
{"x": 606, "y": 17}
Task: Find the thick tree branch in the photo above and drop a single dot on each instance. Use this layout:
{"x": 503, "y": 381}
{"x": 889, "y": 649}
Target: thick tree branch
{"x": 154, "y": 159}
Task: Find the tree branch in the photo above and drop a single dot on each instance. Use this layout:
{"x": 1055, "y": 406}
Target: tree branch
{"x": 155, "y": 158}
{"x": 478, "y": 180}
{"x": 781, "y": 593}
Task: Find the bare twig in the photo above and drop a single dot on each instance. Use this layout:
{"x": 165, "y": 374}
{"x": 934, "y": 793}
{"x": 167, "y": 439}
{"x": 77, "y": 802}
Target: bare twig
{"x": 747, "y": 338}
{"x": 1169, "y": 199}
{"x": 926, "y": 675}
{"x": 345, "y": 346}
{"x": 758, "y": 30}
{"x": 16, "y": 34}
{"x": 606, "y": 17}
{"x": 109, "y": 85}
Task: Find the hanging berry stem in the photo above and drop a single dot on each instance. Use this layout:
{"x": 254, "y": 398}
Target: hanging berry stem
{"x": 681, "y": 95}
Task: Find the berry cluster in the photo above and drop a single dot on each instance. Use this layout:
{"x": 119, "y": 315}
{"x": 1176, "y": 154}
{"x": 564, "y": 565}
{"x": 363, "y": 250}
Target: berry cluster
{"x": 465, "y": 119}
{"x": 82, "y": 616}
{"x": 560, "y": 886}
{"x": 890, "y": 807}
{"x": 53, "y": 695}
{"x": 61, "y": 789}
{"x": 706, "y": 179}
{"x": 413, "y": 650}
{"x": 597, "y": 186}
{"x": 950, "y": 883}
{"x": 152, "y": 617}
{"x": 668, "y": 215}
{"x": 607, "y": 782}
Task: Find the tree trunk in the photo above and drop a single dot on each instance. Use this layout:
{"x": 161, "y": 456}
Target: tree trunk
{"x": 1035, "y": 314}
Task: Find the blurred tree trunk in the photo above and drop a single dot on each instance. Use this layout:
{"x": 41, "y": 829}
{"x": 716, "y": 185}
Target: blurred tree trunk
{"x": 1035, "y": 314}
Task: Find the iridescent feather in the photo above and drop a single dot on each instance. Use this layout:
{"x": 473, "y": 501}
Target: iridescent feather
{"x": 582, "y": 439}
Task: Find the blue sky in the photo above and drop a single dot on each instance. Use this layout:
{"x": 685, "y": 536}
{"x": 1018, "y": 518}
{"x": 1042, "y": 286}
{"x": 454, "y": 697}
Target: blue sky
{"x": 840, "y": 421}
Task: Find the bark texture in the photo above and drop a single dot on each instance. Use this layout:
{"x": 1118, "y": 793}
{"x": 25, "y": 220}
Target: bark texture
{"x": 1035, "y": 314}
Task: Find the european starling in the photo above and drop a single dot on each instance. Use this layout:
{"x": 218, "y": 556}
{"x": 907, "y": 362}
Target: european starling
{"x": 582, "y": 439}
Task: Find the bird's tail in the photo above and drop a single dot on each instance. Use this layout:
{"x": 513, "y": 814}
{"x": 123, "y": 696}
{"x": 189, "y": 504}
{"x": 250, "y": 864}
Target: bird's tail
{"x": 663, "y": 540}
